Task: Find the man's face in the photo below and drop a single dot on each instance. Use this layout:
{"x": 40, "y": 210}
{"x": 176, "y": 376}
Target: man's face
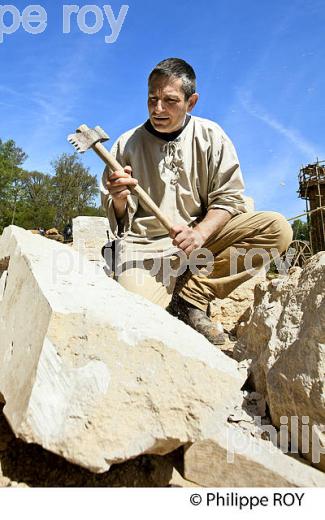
{"x": 167, "y": 105}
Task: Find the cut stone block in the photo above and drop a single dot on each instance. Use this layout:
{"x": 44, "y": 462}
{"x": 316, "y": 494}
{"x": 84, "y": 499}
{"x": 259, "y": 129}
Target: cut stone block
{"x": 234, "y": 458}
{"x": 89, "y": 236}
{"x": 94, "y": 373}
{"x": 3, "y": 278}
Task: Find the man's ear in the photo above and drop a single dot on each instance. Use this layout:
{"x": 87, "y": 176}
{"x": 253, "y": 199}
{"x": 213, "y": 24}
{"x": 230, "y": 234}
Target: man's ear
{"x": 192, "y": 101}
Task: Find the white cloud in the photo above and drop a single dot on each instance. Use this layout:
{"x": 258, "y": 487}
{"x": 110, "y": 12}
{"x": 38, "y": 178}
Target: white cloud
{"x": 291, "y": 134}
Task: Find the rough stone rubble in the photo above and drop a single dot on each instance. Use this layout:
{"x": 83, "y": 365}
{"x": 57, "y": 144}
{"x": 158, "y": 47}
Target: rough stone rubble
{"x": 100, "y": 377}
{"x": 284, "y": 344}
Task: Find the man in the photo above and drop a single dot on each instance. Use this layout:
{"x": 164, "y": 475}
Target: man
{"x": 189, "y": 167}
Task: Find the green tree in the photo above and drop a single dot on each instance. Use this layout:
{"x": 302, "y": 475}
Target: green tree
{"x": 300, "y": 230}
{"x": 34, "y": 207}
{"x": 73, "y": 189}
{"x": 92, "y": 211}
{"x": 13, "y": 153}
{"x": 11, "y": 159}
{"x": 5, "y": 177}
{"x": 5, "y": 185}
{"x": 34, "y": 199}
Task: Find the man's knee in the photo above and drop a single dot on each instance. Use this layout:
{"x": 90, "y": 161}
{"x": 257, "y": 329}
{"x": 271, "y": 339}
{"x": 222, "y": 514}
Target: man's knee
{"x": 280, "y": 230}
{"x": 144, "y": 283}
{"x": 133, "y": 280}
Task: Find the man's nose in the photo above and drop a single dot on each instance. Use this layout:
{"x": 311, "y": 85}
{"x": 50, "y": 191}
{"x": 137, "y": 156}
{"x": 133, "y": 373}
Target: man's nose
{"x": 159, "y": 106}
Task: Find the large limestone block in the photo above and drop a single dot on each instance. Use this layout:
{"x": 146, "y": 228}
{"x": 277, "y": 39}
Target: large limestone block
{"x": 285, "y": 341}
{"x": 233, "y": 458}
{"x": 94, "y": 373}
{"x": 89, "y": 236}
{"x": 3, "y": 278}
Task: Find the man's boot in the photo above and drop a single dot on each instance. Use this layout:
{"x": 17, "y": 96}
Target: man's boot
{"x": 197, "y": 319}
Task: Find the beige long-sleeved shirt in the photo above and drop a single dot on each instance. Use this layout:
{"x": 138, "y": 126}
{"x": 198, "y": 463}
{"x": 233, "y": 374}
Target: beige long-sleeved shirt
{"x": 186, "y": 177}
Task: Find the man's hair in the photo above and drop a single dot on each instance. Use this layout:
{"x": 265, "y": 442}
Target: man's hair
{"x": 176, "y": 68}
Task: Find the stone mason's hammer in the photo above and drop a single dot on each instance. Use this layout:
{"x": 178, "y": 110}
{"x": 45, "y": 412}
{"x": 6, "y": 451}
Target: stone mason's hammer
{"x": 86, "y": 138}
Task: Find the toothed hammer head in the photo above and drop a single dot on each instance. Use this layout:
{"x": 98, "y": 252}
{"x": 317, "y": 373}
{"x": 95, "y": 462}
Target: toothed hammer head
{"x": 85, "y": 137}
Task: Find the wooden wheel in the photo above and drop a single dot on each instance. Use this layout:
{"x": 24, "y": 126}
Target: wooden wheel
{"x": 299, "y": 252}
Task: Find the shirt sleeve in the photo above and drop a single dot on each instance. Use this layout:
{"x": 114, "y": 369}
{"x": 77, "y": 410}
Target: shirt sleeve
{"x": 226, "y": 184}
{"x": 117, "y": 228}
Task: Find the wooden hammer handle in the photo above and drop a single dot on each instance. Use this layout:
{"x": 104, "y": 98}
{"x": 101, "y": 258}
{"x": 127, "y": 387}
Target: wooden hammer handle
{"x": 114, "y": 165}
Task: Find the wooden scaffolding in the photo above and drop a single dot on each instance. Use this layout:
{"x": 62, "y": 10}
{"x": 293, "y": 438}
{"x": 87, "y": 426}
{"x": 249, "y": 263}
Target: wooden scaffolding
{"x": 312, "y": 189}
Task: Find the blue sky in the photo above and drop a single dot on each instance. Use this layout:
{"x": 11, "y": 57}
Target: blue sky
{"x": 260, "y": 68}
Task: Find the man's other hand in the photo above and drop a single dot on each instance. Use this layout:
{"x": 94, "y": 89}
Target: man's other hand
{"x": 119, "y": 183}
{"x": 186, "y": 238}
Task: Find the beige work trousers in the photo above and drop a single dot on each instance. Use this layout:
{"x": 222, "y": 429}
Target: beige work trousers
{"x": 245, "y": 245}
